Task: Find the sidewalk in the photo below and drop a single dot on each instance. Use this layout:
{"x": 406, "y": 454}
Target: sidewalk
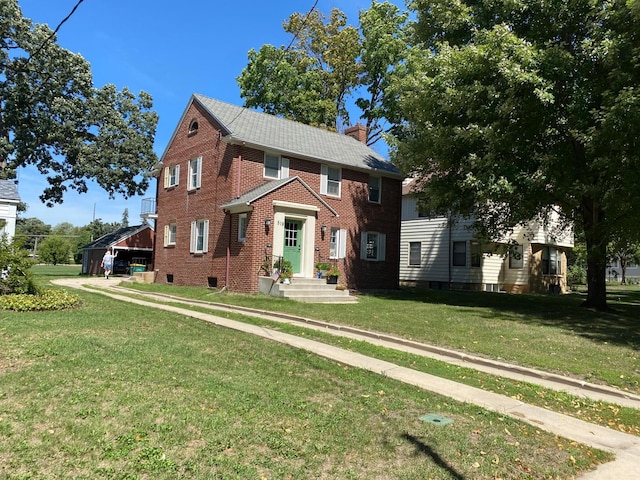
{"x": 625, "y": 447}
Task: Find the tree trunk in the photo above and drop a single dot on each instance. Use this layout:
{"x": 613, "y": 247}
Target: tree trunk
{"x": 596, "y": 240}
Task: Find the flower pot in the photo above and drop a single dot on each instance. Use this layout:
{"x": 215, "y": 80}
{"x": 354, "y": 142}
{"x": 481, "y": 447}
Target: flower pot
{"x": 332, "y": 279}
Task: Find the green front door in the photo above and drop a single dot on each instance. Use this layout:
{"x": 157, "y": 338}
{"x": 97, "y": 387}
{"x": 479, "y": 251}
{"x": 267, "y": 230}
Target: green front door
{"x": 293, "y": 243}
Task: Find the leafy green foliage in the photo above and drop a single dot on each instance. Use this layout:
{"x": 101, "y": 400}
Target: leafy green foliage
{"x": 327, "y": 63}
{"x": 53, "y": 117}
{"x": 15, "y": 263}
{"x": 55, "y": 249}
{"x": 510, "y": 110}
{"x": 45, "y": 300}
{"x": 625, "y": 252}
{"x": 30, "y": 230}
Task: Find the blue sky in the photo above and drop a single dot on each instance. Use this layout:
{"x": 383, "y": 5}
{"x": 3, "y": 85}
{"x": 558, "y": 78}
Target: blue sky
{"x": 169, "y": 49}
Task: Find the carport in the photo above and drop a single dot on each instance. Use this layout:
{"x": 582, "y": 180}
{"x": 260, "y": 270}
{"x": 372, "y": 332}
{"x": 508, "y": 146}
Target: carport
{"x": 133, "y": 245}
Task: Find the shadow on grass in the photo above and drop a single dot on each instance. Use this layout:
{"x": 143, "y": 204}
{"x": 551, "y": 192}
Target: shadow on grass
{"x": 560, "y": 311}
{"x": 426, "y": 450}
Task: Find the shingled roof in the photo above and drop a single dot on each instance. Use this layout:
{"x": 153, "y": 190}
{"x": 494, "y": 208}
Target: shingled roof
{"x": 112, "y": 238}
{"x": 9, "y": 191}
{"x": 260, "y": 191}
{"x": 268, "y": 132}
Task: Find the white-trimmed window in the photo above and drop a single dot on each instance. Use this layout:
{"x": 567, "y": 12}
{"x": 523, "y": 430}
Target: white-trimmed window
{"x": 476, "y": 254}
{"x": 415, "y": 254}
{"x": 338, "y": 243}
{"x": 195, "y": 173}
{"x": 551, "y": 261}
{"x": 373, "y": 246}
{"x": 375, "y": 184}
{"x": 516, "y": 256}
{"x": 199, "y": 236}
{"x": 330, "y": 180}
{"x": 193, "y": 127}
{"x": 242, "y": 227}
{"x": 170, "y": 234}
{"x": 275, "y": 166}
{"x": 171, "y": 176}
{"x": 459, "y": 254}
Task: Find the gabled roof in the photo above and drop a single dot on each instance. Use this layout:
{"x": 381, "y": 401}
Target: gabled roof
{"x": 254, "y": 194}
{"x": 9, "y": 191}
{"x": 271, "y": 133}
{"x": 112, "y": 238}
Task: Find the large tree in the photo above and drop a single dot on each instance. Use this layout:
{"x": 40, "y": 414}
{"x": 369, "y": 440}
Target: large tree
{"x": 53, "y": 117}
{"x": 328, "y": 65}
{"x": 513, "y": 109}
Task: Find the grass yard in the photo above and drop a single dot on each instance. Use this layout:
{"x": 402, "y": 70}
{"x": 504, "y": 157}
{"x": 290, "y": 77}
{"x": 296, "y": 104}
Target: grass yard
{"x": 551, "y": 333}
{"x": 113, "y": 390}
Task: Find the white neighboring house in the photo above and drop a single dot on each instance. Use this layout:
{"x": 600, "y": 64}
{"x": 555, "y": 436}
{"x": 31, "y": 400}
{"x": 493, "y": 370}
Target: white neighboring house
{"x": 435, "y": 253}
{"x": 614, "y": 272}
{"x": 9, "y": 200}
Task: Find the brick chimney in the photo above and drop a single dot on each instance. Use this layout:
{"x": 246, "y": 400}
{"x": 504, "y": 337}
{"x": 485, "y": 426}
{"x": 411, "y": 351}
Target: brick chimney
{"x": 359, "y": 132}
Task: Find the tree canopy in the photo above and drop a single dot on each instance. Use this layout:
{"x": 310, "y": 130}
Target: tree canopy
{"x": 53, "y": 117}
{"x": 508, "y": 110}
{"x": 327, "y": 64}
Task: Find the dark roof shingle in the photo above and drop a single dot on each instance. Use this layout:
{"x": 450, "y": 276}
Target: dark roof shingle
{"x": 9, "y": 191}
{"x": 293, "y": 138}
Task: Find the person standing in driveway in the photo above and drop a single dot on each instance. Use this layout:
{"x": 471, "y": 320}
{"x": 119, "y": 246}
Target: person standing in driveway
{"x": 107, "y": 262}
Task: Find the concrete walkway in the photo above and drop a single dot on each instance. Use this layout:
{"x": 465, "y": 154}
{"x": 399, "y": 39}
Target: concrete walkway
{"x": 626, "y": 447}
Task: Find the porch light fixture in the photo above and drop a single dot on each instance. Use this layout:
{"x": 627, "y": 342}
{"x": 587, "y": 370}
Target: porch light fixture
{"x": 267, "y": 223}
{"x": 323, "y": 228}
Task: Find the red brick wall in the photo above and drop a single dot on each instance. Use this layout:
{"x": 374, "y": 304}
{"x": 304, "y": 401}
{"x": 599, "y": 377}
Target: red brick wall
{"x": 224, "y": 176}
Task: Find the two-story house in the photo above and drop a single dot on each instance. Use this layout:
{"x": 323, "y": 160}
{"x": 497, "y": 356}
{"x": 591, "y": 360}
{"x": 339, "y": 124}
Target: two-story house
{"x": 440, "y": 252}
{"x": 239, "y": 186}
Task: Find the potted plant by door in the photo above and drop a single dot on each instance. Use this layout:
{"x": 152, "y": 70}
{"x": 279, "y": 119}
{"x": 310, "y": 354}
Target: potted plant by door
{"x": 286, "y": 271}
{"x": 322, "y": 269}
{"x": 332, "y": 276}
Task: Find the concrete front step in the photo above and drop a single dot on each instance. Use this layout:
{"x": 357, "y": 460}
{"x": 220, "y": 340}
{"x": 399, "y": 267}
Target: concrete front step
{"x": 310, "y": 290}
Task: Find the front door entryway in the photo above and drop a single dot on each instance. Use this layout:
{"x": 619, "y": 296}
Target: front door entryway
{"x": 293, "y": 243}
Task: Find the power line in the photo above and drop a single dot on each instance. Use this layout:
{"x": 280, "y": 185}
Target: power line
{"x": 48, "y": 39}
{"x": 302, "y": 25}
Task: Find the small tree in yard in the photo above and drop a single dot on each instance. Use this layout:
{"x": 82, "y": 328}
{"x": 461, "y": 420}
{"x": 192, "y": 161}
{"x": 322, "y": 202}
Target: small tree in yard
{"x": 626, "y": 253}
{"x": 55, "y": 249}
{"x": 15, "y": 264}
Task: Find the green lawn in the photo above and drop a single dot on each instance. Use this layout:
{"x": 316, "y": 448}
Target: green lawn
{"x": 114, "y": 390}
{"x": 552, "y": 333}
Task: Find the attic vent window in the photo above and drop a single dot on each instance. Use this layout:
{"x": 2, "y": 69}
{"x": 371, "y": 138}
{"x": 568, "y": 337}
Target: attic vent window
{"x": 193, "y": 127}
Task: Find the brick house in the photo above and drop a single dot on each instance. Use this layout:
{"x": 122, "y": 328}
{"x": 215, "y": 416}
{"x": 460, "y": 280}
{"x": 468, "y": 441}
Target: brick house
{"x": 240, "y": 186}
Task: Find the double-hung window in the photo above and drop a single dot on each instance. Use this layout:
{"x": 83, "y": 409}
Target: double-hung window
{"x": 242, "y": 227}
{"x": 415, "y": 252}
{"x": 330, "y": 180}
{"x": 170, "y": 234}
{"x": 275, "y": 167}
{"x": 551, "y": 261}
{"x": 459, "y": 254}
{"x": 374, "y": 189}
{"x": 476, "y": 254}
{"x": 195, "y": 173}
{"x": 516, "y": 256}
{"x": 171, "y": 176}
{"x": 199, "y": 236}
{"x": 337, "y": 243}
{"x": 373, "y": 246}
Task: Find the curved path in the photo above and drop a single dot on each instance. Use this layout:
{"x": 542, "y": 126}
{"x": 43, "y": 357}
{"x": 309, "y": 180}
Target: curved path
{"x": 626, "y": 447}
